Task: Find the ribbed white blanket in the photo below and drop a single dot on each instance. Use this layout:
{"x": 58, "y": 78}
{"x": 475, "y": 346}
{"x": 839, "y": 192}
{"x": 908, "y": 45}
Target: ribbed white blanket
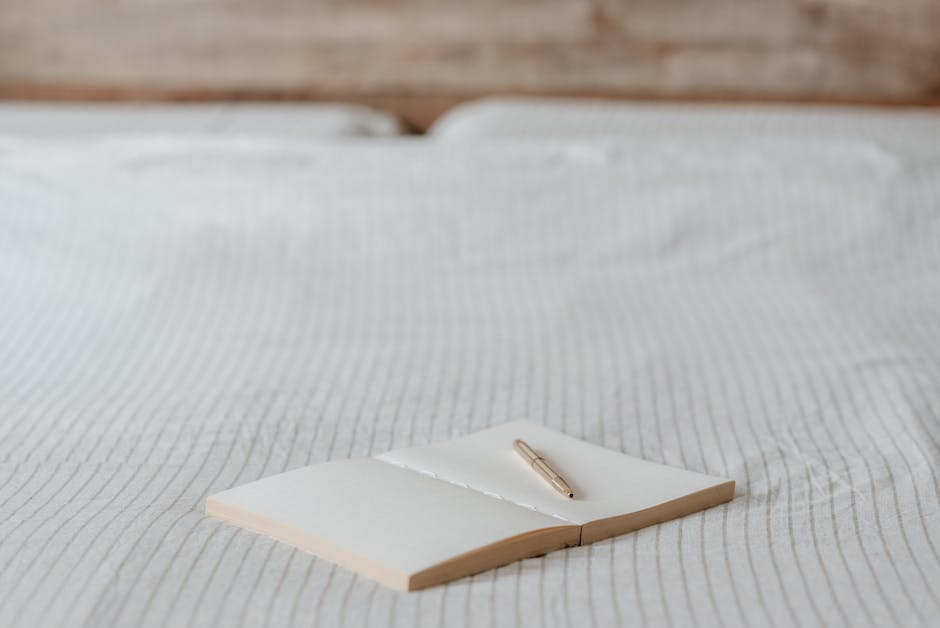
{"x": 179, "y": 316}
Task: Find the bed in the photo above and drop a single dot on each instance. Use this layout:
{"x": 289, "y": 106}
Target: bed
{"x": 183, "y": 312}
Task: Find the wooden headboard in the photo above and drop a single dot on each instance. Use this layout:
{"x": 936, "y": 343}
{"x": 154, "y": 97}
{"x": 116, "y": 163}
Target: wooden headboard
{"x": 419, "y": 57}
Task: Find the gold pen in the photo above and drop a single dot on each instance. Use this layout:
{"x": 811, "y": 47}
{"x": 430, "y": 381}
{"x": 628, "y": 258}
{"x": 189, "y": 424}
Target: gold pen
{"x": 541, "y": 467}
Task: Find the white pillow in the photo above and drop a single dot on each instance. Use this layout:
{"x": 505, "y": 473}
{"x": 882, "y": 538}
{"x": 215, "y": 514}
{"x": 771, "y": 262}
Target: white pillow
{"x": 516, "y": 118}
{"x": 299, "y": 120}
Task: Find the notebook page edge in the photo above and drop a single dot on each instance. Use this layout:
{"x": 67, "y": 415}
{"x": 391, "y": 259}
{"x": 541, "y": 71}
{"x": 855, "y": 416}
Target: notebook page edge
{"x": 601, "y": 529}
{"x": 326, "y": 533}
{"x": 307, "y": 542}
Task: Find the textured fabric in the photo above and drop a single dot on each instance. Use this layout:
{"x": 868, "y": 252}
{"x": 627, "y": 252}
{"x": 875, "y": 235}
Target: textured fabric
{"x": 180, "y": 316}
{"x": 540, "y": 118}
{"x": 310, "y": 120}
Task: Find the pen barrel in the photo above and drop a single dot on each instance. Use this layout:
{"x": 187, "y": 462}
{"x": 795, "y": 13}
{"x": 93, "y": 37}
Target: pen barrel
{"x": 544, "y": 470}
{"x": 525, "y": 451}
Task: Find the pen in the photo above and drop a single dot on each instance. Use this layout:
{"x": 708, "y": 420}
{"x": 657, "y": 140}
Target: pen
{"x": 541, "y": 467}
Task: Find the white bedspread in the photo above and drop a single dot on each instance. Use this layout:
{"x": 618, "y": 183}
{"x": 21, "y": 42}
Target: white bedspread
{"x": 179, "y": 316}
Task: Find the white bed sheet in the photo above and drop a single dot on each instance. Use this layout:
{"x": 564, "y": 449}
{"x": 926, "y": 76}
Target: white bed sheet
{"x": 183, "y": 315}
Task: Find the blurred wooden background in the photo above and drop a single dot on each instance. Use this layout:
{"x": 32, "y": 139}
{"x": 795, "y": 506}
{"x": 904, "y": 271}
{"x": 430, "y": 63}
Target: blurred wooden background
{"x": 421, "y": 56}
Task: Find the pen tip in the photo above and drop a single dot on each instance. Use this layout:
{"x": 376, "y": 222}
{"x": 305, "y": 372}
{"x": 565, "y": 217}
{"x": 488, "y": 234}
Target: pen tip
{"x": 571, "y": 495}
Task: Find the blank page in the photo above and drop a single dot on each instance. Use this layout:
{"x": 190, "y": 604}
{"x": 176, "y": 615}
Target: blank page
{"x": 374, "y": 517}
{"x": 606, "y": 483}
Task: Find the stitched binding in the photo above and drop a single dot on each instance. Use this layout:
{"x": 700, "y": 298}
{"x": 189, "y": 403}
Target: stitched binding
{"x": 431, "y": 474}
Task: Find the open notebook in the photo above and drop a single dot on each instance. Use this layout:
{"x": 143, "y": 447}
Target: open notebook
{"x": 413, "y": 518}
